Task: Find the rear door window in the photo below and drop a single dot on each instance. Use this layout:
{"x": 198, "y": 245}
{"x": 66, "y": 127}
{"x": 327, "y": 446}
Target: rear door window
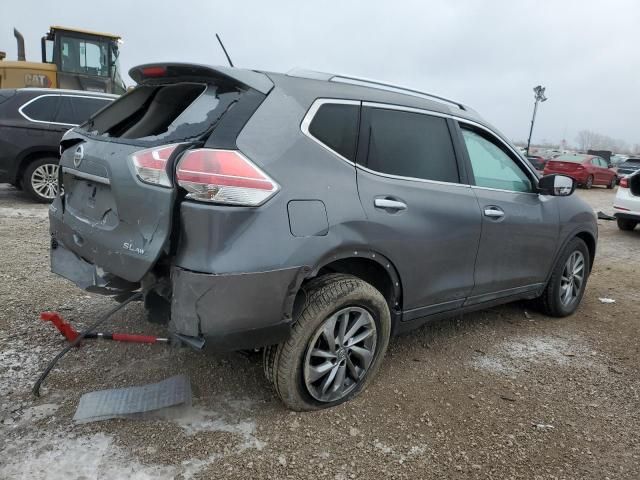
{"x": 75, "y": 110}
{"x": 492, "y": 167}
{"x": 41, "y": 109}
{"x": 408, "y": 144}
{"x": 336, "y": 126}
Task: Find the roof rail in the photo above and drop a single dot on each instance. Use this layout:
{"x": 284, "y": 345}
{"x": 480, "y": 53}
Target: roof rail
{"x": 367, "y": 82}
{"x": 390, "y": 86}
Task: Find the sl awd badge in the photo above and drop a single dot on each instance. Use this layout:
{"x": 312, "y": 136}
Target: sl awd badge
{"x": 78, "y": 156}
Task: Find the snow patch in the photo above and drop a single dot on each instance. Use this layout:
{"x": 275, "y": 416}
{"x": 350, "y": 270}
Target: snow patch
{"x": 19, "y": 364}
{"x": 512, "y": 357}
{"x": 232, "y": 418}
{"x": 16, "y": 212}
{"x": 61, "y": 456}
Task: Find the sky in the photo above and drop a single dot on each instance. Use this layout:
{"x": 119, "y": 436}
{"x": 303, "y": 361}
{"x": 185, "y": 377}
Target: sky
{"x": 488, "y": 54}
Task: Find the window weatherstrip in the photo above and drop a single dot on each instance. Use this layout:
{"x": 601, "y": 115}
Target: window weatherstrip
{"x": 308, "y": 118}
{"x": 27, "y": 117}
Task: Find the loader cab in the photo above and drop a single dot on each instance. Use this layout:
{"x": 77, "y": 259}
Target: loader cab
{"x": 84, "y": 60}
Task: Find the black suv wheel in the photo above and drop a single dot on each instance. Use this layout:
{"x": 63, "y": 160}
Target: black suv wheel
{"x": 336, "y": 345}
{"x": 40, "y": 179}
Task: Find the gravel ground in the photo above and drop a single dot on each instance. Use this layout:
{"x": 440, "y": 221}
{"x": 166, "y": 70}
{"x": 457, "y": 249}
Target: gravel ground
{"x": 503, "y": 393}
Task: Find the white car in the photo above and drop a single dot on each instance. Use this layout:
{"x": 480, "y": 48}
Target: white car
{"x": 627, "y": 202}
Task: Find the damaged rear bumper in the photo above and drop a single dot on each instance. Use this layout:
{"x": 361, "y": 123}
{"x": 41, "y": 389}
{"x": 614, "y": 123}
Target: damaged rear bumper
{"x": 234, "y": 311}
{"x": 86, "y": 275}
{"x": 228, "y": 311}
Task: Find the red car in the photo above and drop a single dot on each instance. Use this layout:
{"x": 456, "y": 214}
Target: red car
{"x": 587, "y": 170}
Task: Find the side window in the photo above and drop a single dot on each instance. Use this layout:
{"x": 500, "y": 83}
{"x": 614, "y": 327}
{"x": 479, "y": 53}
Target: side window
{"x": 75, "y": 110}
{"x": 336, "y": 125}
{"x": 42, "y": 109}
{"x": 492, "y": 167}
{"x": 410, "y": 144}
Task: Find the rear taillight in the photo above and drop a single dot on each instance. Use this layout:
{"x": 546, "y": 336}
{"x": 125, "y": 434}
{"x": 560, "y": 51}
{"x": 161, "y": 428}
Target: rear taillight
{"x": 624, "y": 182}
{"x": 151, "y": 164}
{"x": 223, "y": 176}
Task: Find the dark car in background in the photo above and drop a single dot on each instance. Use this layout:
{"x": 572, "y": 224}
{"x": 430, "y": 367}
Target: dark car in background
{"x": 587, "y": 170}
{"x": 32, "y": 122}
{"x": 629, "y": 167}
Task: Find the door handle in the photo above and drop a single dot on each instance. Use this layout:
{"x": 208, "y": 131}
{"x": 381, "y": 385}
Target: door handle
{"x": 389, "y": 204}
{"x": 493, "y": 212}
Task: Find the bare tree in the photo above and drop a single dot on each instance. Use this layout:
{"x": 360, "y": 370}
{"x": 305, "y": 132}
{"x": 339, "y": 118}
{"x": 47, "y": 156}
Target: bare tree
{"x": 588, "y": 140}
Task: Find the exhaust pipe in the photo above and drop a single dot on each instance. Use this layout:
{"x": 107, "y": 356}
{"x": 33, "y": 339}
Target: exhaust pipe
{"x": 20, "y": 39}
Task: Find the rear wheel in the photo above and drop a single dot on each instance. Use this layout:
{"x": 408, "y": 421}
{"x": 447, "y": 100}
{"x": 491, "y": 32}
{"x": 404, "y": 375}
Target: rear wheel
{"x": 568, "y": 281}
{"x": 40, "y": 179}
{"x": 612, "y": 183}
{"x": 336, "y": 345}
{"x": 626, "y": 224}
{"x": 589, "y": 183}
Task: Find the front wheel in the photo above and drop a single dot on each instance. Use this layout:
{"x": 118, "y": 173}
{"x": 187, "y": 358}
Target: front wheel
{"x": 612, "y": 183}
{"x": 568, "y": 281}
{"x": 336, "y": 344}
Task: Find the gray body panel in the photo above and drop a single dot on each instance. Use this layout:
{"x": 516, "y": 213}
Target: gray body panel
{"x": 235, "y": 271}
{"x": 514, "y": 249}
{"x": 117, "y": 222}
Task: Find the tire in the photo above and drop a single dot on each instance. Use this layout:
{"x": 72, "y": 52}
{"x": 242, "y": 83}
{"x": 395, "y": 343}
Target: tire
{"x": 551, "y": 302}
{"x": 343, "y": 300}
{"x": 589, "y": 183}
{"x": 40, "y": 179}
{"x": 613, "y": 183}
{"x": 626, "y": 224}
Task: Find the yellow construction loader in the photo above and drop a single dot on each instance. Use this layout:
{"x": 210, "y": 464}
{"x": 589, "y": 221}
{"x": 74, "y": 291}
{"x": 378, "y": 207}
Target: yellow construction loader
{"x": 71, "y": 58}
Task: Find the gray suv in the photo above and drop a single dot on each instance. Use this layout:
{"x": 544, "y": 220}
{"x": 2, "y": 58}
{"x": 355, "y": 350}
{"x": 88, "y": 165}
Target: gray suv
{"x": 311, "y": 215}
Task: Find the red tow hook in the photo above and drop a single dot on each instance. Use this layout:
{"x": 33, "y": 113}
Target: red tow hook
{"x": 71, "y": 333}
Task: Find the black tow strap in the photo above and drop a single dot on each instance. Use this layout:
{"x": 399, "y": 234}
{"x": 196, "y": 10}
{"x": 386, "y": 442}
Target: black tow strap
{"x": 36, "y": 386}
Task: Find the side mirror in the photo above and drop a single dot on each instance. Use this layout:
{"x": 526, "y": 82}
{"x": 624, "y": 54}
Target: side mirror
{"x": 556, "y": 185}
{"x": 610, "y": 165}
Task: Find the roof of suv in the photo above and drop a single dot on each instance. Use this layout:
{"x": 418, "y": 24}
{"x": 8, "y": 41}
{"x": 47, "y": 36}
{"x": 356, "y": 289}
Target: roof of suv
{"x": 346, "y": 86}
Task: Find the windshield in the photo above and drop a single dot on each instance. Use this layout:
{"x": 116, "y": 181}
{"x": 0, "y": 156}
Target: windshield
{"x": 89, "y": 57}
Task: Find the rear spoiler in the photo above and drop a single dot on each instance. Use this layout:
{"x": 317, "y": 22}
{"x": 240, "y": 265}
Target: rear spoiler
{"x": 153, "y": 73}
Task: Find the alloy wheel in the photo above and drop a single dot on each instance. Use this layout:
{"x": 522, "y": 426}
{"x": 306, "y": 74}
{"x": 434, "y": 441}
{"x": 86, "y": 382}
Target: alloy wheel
{"x": 589, "y": 182}
{"x": 339, "y": 354}
{"x": 573, "y": 275}
{"x": 44, "y": 180}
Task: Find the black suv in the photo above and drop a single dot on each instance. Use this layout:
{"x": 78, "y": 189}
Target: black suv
{"x": 311, "y": 214}
{"x": 32, "y": 122}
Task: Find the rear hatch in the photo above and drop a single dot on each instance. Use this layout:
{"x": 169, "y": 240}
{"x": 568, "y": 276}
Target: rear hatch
{"x": 117, "y": 168}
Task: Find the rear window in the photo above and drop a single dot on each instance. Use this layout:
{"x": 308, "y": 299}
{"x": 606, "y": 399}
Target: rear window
{"x": 76, "y": 110}
{"x": 336, "y": 125}
{"x": 570, "y": 158}
{"x": 41, "y": 109}
{"x": 163, "y": 113}
{"x": 410, "y": 145}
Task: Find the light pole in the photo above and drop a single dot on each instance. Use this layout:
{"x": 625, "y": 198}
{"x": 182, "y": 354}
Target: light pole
{"x": 540, "y": 97}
